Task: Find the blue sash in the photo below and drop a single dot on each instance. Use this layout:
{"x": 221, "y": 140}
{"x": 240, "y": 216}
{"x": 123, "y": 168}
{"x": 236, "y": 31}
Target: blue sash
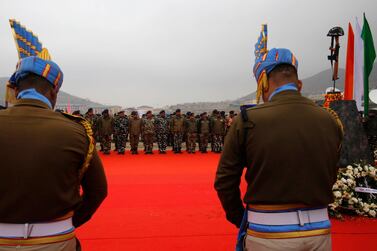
{"x": 242, "y": 232}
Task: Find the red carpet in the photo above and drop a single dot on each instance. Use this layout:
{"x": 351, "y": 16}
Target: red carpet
{"x": 167, "y": 202}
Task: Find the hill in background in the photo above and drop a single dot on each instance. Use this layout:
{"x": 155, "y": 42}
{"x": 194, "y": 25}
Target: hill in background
{"x": 313, "y": 87}
{"x": 76, "y": 103}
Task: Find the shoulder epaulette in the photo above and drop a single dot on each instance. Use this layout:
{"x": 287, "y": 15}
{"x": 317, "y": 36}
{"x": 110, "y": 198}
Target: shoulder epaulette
{"x": 336, "y": 117}
{"x": 88, "y": 129}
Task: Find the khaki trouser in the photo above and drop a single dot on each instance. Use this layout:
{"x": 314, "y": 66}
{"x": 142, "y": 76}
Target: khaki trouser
{"x": 134, "y": 142}
{"x": 318, "y": 243}
{"x": 203, "y": 141}
{"x": 69, "y": 245}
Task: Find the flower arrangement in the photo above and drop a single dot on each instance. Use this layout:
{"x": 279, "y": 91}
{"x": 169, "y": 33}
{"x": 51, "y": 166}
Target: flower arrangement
{"x": 355, "y": 191}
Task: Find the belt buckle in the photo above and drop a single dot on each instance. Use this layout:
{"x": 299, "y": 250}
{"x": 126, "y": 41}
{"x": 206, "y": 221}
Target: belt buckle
{"x": 27, "y": 230}
{"x": 301, "y": 219}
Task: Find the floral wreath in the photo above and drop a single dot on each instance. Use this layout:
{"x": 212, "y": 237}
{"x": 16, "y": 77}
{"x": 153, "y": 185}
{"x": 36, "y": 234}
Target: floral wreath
{"x": 355, "y": 191}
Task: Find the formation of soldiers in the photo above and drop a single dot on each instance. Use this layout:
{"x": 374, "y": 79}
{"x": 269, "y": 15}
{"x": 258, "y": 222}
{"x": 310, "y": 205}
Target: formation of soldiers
{"x": 166, "y": 130}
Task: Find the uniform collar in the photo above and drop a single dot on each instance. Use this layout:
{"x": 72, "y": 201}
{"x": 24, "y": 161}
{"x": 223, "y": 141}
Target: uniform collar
{"x": 31, "y": 102}
{"x": 283, "y": 88}
{"x": 31, "y": 93}
{"x": 285, "y": 94}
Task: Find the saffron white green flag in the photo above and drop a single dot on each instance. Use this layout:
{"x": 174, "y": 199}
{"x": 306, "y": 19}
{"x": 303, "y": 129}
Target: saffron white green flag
{"x": 369, "y": 57}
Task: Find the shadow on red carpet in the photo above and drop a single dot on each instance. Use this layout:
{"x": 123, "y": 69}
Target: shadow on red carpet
{"x": 167, "y": 202}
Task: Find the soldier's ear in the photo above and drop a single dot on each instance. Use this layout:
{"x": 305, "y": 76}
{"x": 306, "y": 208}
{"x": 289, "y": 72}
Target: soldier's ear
{"x": 299, "y": 85}
{"x": 52, "y": 95}
{"x": 17, "y": 91}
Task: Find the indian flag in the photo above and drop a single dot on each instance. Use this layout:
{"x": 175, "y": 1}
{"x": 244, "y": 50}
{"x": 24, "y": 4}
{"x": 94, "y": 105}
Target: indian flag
{"x": 359, "y": 64}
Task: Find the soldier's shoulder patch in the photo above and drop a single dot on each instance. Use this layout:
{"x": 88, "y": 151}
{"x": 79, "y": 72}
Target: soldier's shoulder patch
{"x": 336, "y": 117}
{"x": 72, "y": 117}
{"x": 88, "y": 129}
{"x": 80, "y": 120}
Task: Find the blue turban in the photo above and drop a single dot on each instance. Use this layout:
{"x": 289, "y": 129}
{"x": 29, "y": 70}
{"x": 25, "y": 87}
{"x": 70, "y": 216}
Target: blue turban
{"x": 44, "y": 68}
{"x": 267, "y": 60}
{"x": 273, "y": 58}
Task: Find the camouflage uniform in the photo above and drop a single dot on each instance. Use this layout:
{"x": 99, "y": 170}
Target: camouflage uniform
{"x": 204, "y": 132}
{"x": 115, "y": 136}
{"x": 177, "y": 129}
{"x": 92, "y": 119}
{"x": 218, "y": 131}
{"x": 191, "y": 129}
{"x": 162, "y": 131}
{"x": 121, "y": 133}
{"x": 95, "y": 128}
{"x": 148, "y": 133}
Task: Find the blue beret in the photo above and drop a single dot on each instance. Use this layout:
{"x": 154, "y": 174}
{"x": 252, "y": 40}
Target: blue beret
{"x": 274, "y": 57}
{"x": 44, "y": 68}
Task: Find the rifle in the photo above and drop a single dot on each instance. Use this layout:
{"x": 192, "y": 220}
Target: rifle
{"x": 335, "y": 33}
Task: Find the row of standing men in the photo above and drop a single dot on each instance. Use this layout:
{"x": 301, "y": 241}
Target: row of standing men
{"x": 166, "y": 130}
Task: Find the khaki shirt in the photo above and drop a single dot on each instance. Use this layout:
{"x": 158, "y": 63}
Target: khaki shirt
{"x": 204, "y": 126}
{"x": 41, "y": 155}
{"x": 177, "y": 124}
{"x": 135, "y": 126}
{"x": 191, "y": 126}
{"x": 290, "y": 149}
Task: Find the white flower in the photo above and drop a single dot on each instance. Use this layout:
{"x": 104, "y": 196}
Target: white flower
{"x": 343, "y": 180}
{"x": 349, "y": 167}
{"x": 350, "y": 202}
{"x": 350, "y": 182}
{"x": 337, "y": 194}
{"x": 372, "y": 213}
{"x": 347, "y": 196}
{"x": 335, "y": 186}
{"x": 354, "y": 200}
{"x": 360, "y": 168}
{"x": 372, "y": 173}
{"x": 371, "y": 168}
{"x": 366, "y": 208}
{"x": 366, "y": 168}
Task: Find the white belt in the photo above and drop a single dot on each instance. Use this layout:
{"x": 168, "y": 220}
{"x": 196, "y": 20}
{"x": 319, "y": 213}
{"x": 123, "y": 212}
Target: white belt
{"x": 27, "y": 230}
{"x": 298, "y": 217}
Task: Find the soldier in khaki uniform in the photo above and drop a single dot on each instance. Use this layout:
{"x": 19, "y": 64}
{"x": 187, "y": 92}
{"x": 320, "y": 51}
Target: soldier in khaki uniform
{"x": 191, "y": 129}
{"x": 177, "y": 128}
{"x": 45, "y": 157}
{"x": 89, "y": 116}
{"x": 106, "y": 129}
{"x": 148, "y": 132}
{"x": 204, "y": 132}
{"x": 135, "y": 131}
{"x": 290, "y": 149}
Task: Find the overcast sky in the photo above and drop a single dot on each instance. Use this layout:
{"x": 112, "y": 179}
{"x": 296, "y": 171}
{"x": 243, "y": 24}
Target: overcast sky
{"x": 159, "y": 52}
